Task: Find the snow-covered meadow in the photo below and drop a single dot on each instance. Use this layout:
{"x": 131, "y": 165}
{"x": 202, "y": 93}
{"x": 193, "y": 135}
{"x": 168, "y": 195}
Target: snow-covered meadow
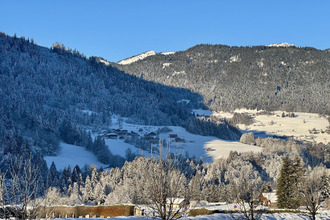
{"x": 221, "y": 216}
{"x": 73, "y": 155}
{"x": 206, "y": 147}
{"x": 302, "y": 127}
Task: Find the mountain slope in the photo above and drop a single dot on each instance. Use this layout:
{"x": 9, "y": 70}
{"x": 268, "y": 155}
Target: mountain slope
{"x": 137, "y": 58}
{"x": 51, "y": 94}
{"x": 40, "y": 87}
{"x": 265, "y": 77}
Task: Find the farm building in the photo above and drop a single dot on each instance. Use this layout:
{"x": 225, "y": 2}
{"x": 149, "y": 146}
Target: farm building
{"x": 268, "y": 199}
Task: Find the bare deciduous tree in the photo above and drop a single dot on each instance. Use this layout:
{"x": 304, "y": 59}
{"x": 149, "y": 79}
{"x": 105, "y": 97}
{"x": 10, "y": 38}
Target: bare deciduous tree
{"x": 246, "y": 192}
{"x": 3, "y": 209}
{"x": 20, "y": 190}
{"x": 165, "y": 187}
{"x": 314, "y": 189}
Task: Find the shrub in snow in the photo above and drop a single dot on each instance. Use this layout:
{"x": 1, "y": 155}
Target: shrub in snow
{"x": 248, "y": 138}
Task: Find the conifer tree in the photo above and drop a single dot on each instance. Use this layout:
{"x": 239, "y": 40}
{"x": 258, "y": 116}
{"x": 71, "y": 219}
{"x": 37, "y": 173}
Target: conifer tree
{"x": 297, "y": 181}
{"x": 76, "y": 175}
{"x": 288, "y": 184}
{"x": 53, "y": 176}
{"x": 195, "y": 187}
{"x": 87, "y": 191}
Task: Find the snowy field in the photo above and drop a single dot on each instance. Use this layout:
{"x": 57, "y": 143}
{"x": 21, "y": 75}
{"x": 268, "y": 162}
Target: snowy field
{"x": 73, "y": 155}
{"x": 276, "y": 216}
{"x": 302, "y": 127}
{"x": 208, "y": 147}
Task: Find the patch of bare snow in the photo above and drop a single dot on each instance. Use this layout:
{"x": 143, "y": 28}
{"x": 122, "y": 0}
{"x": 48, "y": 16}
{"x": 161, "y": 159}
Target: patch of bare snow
{"x": 281, "y": 45}
{"x": 260, "y": 64}
{"x": 194, "y": 145}
{"x": 167, "y": 53}
{"x": 88, "y": 112}
{"x": 166, "y": 65}
{"x": 234, "y": 59}
{"x": 105, "y": 62}
{"x": 137, "y": 58}
{"x": 186, "y": 101}
{"x": 73, "y": 155}
{"x": 202, "y": 112}
{"x": 221, "y": 148}
{"x": 302, "y": 127}
{"x": 213, "y": 61}
{"x": 309, "y": 62}
{"x": 179, "y": 73}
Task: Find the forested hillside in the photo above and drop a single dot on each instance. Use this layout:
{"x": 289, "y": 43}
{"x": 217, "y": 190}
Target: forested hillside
{"x": 263, "y": 77}
{"x": 57, "y": 94}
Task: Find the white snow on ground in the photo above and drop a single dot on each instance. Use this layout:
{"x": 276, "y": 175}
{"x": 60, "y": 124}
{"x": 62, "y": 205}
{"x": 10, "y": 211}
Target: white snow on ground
{"x": 179, "y": 73}
{"x": 186, "y": 101}
{"x": 202, "y": 112}
{"x": 208, "y": 147}
{"x": 221, "y": 148}
{"x": 303, "y": 127}
{"x": 275, "y": 216}
{"x": 137, "y": 58}
{"x": 234, "y": 59}
{"x": 88, "y": 112}
{"x": 281, "y": 45}
{"x": 166, "y": 65}
{"x": 222, "y": 114}
{"x": 119, "y": 147}
{"x": 73, "y": 155}
{"x": 105, "y": 62}
{"x": 167, "y": 53}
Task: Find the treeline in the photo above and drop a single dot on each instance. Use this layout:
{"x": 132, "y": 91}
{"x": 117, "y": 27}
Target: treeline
{"x": 240, "y": 177}
{"x": 259, "y": 77}
{"x": 202, "y": 181}
{"x": 212, "y": 126}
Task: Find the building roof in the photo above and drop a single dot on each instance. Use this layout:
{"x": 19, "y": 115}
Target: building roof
{"x": 175, "y": 200}
{"x": 270, "y": 196}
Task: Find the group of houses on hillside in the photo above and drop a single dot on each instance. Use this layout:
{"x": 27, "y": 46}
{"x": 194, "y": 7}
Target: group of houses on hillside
{"x": 151, "y": 137}
{"x": 118, "y": 134}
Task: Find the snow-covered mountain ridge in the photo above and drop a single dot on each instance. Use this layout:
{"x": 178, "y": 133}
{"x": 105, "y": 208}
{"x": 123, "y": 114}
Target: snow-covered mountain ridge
{"x": 281, "y": 45}
{"x": 141, "y": 56}
{"x": 137, "y": 57}
{"x": 292, "y": 78}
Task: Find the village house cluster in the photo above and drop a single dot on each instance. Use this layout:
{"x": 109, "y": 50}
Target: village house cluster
{"x": 151, "y": 137}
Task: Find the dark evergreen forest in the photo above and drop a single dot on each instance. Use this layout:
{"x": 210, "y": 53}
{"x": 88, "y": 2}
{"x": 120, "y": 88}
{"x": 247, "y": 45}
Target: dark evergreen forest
{"x": 258, "y": 77}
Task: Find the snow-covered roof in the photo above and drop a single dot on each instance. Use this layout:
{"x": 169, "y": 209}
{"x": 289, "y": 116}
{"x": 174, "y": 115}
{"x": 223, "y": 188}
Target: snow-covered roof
{"x": 175, "y": 200}
{"x": 270, "y": 196}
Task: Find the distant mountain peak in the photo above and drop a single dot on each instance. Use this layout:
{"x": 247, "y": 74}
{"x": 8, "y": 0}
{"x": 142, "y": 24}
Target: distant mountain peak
{"x": 133, "y": 59}
{"x": 281, "y": 45}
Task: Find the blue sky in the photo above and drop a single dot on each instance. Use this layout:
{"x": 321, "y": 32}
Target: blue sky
{"x": 122, "y": 28}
